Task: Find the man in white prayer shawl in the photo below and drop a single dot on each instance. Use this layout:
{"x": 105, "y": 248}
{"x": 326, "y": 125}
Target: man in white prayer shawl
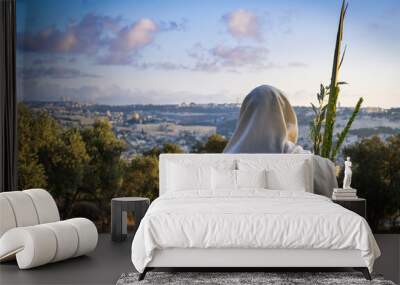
{"x": 268, "y": 124}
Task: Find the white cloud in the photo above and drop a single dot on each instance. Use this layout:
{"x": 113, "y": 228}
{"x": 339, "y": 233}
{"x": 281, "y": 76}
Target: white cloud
{"x": 135, "y": 36}
{"x": 243, "y": 24}
{"x": 82, "y": 37}
{"x": 227, "y": 58}
{"x": 240, "y": 55}
{"x": 104, "y": 38}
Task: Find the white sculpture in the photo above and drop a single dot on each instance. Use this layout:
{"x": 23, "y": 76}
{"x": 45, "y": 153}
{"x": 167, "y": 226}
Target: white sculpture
{"x": 347, "y": 174}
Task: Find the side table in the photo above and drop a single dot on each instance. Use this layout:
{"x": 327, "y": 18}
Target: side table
{"x": 357, "y": 205}
{"x": 119, "y": 214}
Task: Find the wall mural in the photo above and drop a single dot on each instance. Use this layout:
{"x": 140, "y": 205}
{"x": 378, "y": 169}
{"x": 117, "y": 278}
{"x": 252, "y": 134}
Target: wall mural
{"x": 104, "y": 87}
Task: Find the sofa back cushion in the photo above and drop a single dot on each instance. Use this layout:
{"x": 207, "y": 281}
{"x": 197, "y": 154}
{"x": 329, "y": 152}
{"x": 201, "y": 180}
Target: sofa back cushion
{"x": 7, "y": 218}
{"x": 26, "y": 208}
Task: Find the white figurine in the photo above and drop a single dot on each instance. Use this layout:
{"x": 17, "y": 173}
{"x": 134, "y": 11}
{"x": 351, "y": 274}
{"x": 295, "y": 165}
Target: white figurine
{"x": 347, "y": 174}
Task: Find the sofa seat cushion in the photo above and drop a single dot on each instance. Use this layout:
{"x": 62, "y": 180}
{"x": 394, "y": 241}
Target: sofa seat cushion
{"x": 40, "y": 244}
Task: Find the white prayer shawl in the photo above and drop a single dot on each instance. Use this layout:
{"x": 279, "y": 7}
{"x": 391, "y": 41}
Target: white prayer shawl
{"x": 268, "y": 124}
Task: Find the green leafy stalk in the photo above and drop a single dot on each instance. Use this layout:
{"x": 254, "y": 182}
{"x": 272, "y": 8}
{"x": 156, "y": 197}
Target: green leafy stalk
{"x": 317, "y": 122}
{"x": 325, "y": 115}
{"x": 341, "y": 136}
{"x": 333, "y": 88}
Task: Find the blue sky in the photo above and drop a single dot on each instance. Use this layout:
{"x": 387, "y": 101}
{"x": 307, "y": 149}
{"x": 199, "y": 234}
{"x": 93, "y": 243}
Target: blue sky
{"x": 128, "y": 52}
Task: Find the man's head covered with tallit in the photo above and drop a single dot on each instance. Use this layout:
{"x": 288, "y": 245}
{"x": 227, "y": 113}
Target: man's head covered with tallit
{"x": 267, "y": 124}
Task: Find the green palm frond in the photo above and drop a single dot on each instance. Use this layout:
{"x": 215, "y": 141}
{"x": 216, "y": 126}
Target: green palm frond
{"x": 333, "y": 87}
{"x": 342, "y": 135}
{"x": 322, "y": 126}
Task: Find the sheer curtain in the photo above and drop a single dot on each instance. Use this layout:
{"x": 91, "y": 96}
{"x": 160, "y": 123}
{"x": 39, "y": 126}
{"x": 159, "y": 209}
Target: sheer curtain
{"x": 8, "y": 100}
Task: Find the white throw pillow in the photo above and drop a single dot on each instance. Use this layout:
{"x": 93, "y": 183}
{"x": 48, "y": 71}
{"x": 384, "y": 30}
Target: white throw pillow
{"x": 293, "y": 178}
{"x": 224, "y": 179}
{"x": 251, "y": 178}
{"x": 185, "y": 178}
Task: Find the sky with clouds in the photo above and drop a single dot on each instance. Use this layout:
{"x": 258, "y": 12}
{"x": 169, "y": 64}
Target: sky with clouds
{"x": 173, "y": 51}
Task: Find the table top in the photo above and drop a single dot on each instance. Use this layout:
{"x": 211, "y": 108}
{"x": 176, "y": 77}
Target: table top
{"x": 130, "y": 199}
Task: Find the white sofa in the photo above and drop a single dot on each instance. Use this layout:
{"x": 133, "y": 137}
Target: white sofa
{"x": 31, "y": 230}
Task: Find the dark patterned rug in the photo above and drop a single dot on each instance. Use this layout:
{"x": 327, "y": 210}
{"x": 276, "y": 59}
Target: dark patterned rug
{"x": 269, "y": 278}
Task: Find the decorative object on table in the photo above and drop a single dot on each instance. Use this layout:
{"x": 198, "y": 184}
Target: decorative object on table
{"x": 357, "y": 205}
{"x": 31, "y": 230}
{"x": 347, "y": 174}
{"x": 344, "y": 194}
{"x": 119, "y": 215}
{"x": 248, "y": 278}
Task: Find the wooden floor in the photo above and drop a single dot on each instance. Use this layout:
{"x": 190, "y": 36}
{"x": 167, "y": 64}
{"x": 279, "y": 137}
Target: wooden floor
{"x": 110, "y": 260}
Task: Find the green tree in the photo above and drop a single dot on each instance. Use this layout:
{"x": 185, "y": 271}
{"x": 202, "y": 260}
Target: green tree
{"x": 65, "y": 162}
{"x": 141, "y": 177}
{"x": 393, "y": 177}
{"x": 167, "y": 148}
{"x": 31, "y": 173}
{"x": 171, "y": 148}
{"x": 376, "y": 176}
{"x": 81, "y": 169}
{"x": 104, "y": 172}
{"x": 214, "y": 144}
{"x": 50, "y": 157}
{"x": 32, "y": 132}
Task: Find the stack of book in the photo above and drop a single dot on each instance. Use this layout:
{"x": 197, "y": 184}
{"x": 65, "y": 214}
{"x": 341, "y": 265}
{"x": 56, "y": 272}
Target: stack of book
{"x": 344, "y": 194}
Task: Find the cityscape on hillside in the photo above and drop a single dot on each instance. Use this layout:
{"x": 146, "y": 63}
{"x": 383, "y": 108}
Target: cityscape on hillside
{"x": 143, "y": 127}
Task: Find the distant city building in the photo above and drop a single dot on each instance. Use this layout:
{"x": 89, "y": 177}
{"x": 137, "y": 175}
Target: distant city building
{"x": 143, "y": 127}
{"x": 135, "y": 117}
{"x": 373, "y": 109}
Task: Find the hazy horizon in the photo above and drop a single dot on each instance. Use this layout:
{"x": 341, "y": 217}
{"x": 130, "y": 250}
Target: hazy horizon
{"x": 180, "y": 103}
{"x": 168, "y": 52}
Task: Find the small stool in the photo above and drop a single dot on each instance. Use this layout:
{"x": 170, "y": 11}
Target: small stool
{"x": 119, "y": 215}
